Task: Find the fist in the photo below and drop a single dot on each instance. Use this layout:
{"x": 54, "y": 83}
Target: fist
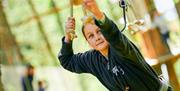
{"x": 70, "y": 25}
{"x": 69, "y": 29}
{"x": 92, "y": 6}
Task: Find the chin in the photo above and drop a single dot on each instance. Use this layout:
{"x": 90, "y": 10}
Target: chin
{"x": 101, "y": 48}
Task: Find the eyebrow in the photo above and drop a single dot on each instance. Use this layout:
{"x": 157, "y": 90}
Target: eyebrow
{"x": 98, "y": 29}
{"x": 88, "y": 33}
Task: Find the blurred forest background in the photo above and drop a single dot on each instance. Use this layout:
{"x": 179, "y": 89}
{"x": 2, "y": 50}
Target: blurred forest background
{"x": 31, "y": 32}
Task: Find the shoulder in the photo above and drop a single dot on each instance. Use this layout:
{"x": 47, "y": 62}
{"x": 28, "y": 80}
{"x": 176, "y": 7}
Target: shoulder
{"x": 91, "y": 53}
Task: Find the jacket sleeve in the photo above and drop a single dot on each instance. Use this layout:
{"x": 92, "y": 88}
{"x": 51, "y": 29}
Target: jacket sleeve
{"x": 78, "y": 63}
{"x": 118, "y": 41}
{"x": 122, "y": 45}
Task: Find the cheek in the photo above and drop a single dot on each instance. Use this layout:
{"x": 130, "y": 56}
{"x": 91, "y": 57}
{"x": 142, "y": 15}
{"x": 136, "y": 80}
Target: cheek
{"x": 91, "y": 43}
{"x": 103, "y": 38}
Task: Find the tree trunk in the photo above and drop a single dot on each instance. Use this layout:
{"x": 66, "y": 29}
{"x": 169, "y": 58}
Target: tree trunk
{"x": 9, "y": 50}
{"x": 41, "y": 30}
{"x": 1, "y": 86}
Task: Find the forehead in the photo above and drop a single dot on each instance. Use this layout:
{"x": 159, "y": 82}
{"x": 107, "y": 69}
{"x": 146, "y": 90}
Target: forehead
{"x": 90, "y": 28}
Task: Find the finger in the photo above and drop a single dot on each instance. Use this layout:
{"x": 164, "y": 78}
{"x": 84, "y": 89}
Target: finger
{"x": 70, "y": 27}
{"x": 70, "y": 24}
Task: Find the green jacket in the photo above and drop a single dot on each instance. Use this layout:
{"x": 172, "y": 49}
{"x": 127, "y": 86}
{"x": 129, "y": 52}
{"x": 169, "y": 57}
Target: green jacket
{"x": 125, "y": 67}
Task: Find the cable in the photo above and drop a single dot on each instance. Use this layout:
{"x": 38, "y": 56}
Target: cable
{"x": 123, "y": 5}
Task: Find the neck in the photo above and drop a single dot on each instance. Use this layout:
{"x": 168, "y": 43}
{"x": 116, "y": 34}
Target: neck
{"x": 104, "y": 52}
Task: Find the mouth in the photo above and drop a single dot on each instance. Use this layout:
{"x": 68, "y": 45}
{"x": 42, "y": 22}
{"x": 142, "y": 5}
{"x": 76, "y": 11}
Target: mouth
{"x": 99, "y": 43}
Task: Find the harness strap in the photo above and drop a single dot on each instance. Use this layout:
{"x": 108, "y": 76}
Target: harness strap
{"x": 164, "y": 84}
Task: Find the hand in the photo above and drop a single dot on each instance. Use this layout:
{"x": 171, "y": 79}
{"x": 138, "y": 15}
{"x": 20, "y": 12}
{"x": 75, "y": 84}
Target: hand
{"x": 69, "y": 28}
{"x": 91, "y": 5}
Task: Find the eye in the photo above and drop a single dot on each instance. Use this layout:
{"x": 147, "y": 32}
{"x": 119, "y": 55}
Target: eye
{"x": 90, "y": 36}
{"x": 98, "y": 32}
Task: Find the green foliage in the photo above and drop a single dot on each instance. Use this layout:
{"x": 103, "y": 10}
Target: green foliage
{"x": 32, "y": 45}
{"x": 176, "y": 1}
{"x": 26, "y": 29}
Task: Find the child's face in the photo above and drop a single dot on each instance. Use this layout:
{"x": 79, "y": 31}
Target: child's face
{"x": 94, "y": 37}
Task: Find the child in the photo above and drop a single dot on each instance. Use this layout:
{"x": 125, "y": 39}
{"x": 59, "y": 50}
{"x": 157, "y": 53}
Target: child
{"x": 114, "y": 60}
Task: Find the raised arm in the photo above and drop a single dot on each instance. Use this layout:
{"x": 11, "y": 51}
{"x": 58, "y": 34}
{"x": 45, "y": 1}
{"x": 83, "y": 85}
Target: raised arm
{"x": 73, "y": 62}
{"x": 116, "y": 39}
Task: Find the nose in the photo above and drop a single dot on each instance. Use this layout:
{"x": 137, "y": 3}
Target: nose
{"x": 97, "y": 36}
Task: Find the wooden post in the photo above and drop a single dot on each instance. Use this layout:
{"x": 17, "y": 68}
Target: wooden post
{"x": 171, "y": 72}
{"x": 152, "y": 44}
{"x": 170, "y": 60}
{"x": 1, "y": 85}
{"x": 153, "y": 47}
{"x": 172, "y": 76}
